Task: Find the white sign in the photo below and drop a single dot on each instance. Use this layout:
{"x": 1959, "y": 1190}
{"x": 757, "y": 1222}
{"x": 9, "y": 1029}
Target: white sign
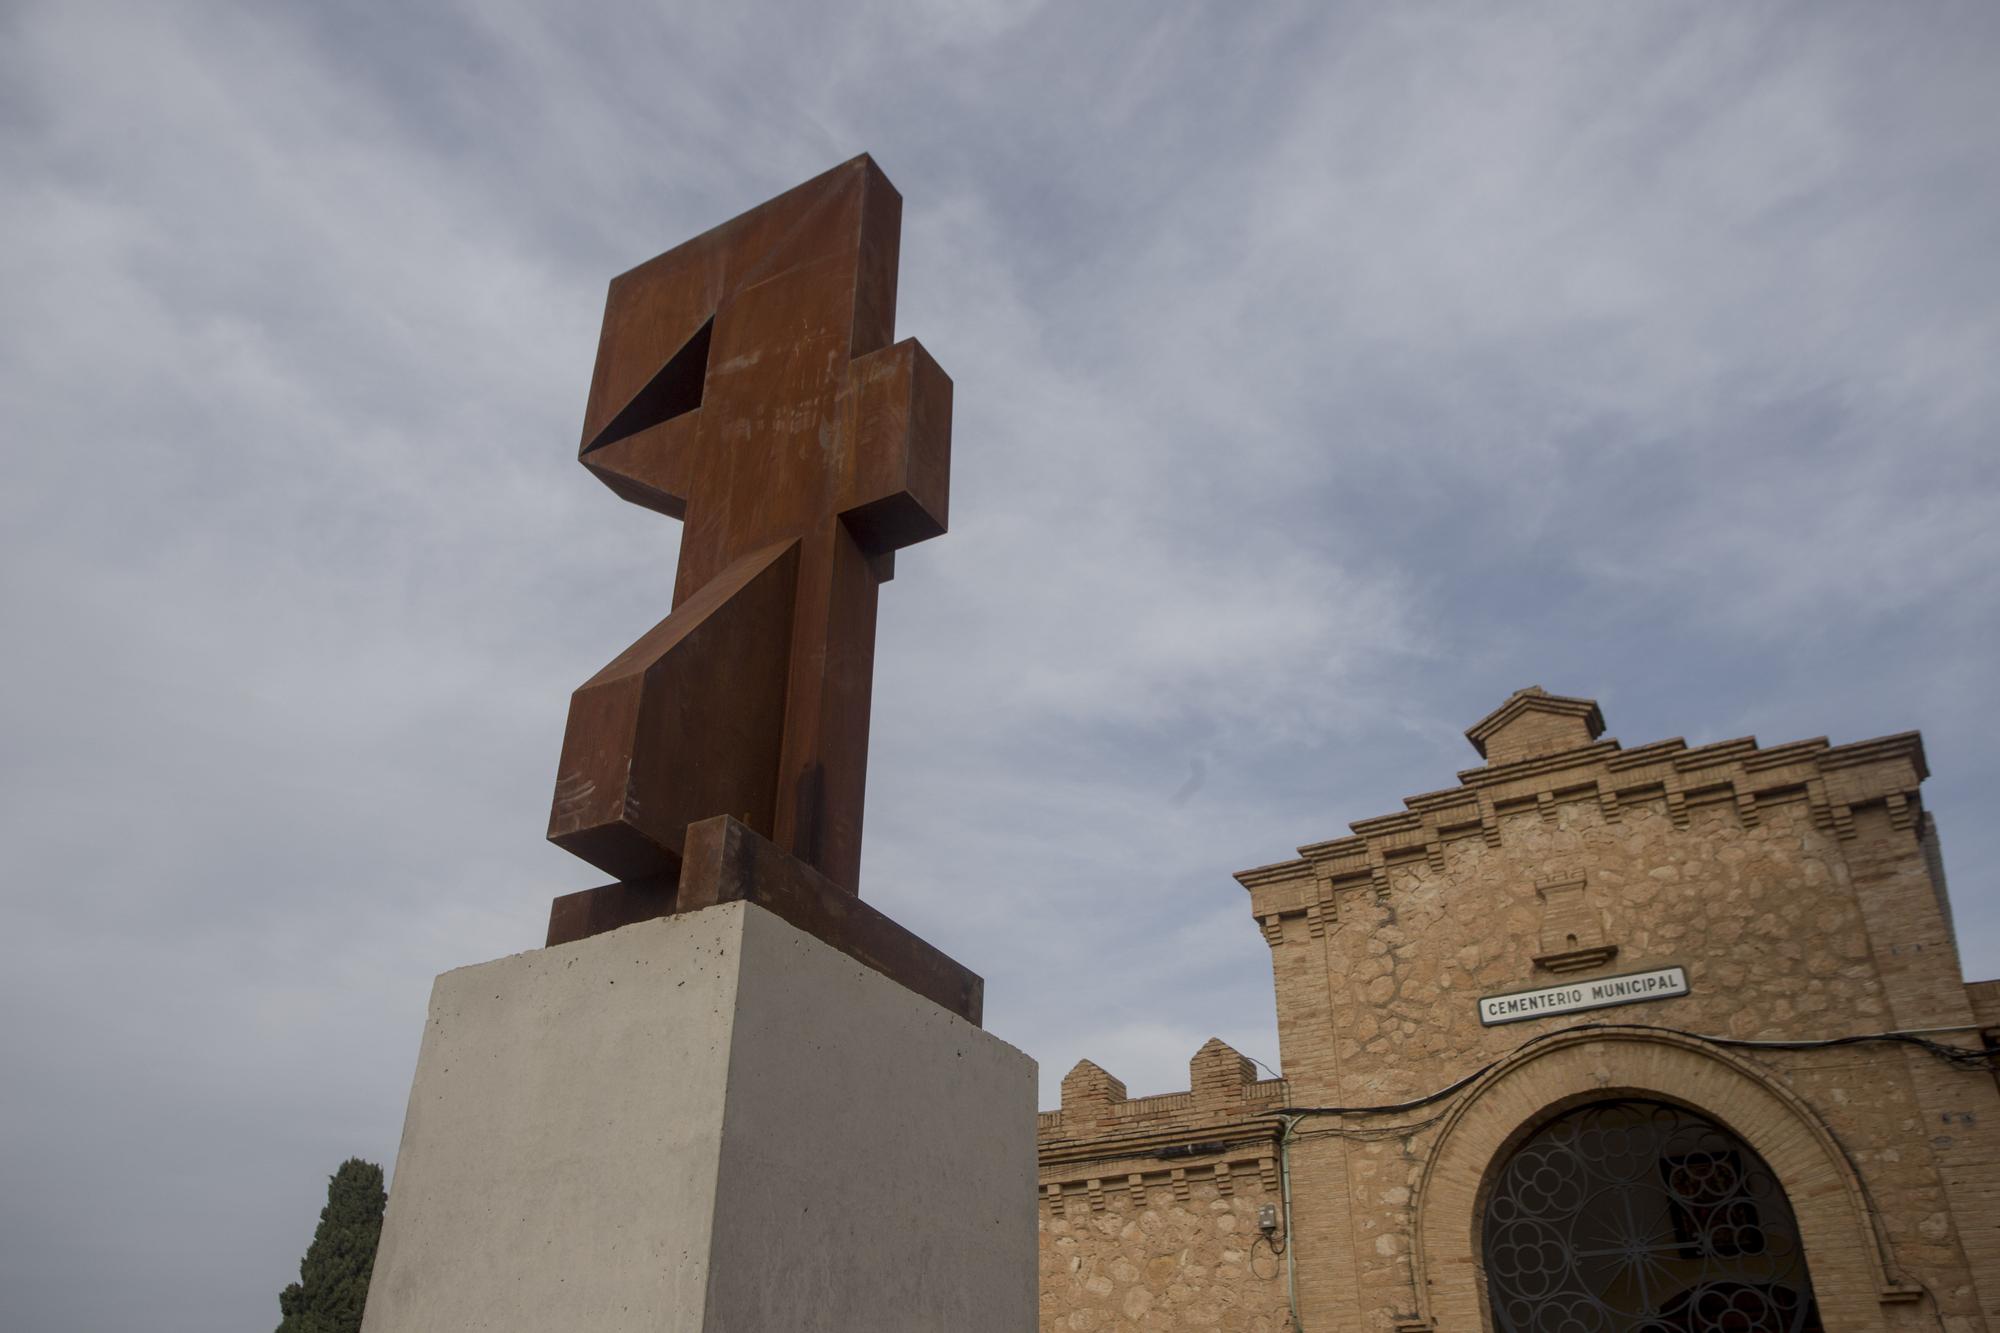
{"x": 1633, "y": 988}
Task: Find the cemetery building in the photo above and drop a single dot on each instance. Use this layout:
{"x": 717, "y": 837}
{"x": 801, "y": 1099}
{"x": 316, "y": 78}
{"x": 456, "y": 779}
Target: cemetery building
{"x": 1596, "y": 1039}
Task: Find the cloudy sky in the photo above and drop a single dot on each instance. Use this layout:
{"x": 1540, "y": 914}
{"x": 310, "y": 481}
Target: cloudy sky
{"x": 1323, "y": 375}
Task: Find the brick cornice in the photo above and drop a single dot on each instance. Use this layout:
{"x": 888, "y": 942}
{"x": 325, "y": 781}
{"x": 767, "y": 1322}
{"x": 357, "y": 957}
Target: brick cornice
{"x": 1057, "y": 1152}
{"x": 1278, "y": 873}
{"x": 1832, "y": 780}
{"x": 1221, "y": 1146}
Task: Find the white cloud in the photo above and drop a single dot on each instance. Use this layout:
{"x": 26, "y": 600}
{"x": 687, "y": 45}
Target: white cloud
{"x": 1321, "y": 377}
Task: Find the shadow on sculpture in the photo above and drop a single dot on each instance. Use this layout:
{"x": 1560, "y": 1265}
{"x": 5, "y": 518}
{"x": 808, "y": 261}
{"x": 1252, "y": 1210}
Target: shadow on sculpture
{"x": 747, "y": 385}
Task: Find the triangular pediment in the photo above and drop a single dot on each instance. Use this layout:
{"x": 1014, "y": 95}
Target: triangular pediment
{"x": 1533, "y": 723}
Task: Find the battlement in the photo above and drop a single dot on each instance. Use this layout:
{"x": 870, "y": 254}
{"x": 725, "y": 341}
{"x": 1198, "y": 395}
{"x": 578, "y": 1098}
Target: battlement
{"x": 1101, "y": 1138}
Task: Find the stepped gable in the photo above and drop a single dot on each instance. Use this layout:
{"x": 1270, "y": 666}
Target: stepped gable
{"x": 1544, "y": 752}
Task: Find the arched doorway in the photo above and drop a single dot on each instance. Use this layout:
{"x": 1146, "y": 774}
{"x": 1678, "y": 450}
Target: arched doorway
{"x": 1634, "y": 1216}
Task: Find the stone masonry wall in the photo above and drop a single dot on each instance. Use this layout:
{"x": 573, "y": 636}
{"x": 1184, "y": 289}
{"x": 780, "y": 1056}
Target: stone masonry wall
{"x": 1150, "y": 1205}
{"x": 1157, "y": 1262}
{"x": 1800, "y": 888}
{"x": 1793, "y": 886}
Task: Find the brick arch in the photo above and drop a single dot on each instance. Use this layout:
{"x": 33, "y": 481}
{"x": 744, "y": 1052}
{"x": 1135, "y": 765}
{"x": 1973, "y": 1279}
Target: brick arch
{"x": 1846, "y": 1254}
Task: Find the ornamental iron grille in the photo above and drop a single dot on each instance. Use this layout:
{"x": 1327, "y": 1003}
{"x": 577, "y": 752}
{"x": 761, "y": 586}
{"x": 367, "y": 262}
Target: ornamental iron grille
{"x": 1639, "y": 1217}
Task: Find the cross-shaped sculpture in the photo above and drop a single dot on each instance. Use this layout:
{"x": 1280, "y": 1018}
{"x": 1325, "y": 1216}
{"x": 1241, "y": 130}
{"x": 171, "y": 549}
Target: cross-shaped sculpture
{"x": 746, "y": 384}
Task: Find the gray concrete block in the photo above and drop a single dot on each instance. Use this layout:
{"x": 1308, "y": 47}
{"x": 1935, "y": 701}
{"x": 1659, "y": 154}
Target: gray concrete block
{"x": 707, "y": 1122}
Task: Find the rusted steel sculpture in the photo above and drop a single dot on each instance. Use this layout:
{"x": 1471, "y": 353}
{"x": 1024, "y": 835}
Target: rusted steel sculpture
{"x": 746, "y": 384}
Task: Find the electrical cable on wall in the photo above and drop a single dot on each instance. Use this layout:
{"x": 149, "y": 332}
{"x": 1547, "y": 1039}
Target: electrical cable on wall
{"x": 1959, "y": 1057}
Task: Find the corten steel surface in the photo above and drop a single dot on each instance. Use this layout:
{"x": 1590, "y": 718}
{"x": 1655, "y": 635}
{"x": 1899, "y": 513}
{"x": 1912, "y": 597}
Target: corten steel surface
{"x": 746, "y": 384}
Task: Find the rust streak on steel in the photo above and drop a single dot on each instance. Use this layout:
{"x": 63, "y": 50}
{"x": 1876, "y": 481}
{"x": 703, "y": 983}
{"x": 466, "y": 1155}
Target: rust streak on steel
{"x": 746, "y": 383}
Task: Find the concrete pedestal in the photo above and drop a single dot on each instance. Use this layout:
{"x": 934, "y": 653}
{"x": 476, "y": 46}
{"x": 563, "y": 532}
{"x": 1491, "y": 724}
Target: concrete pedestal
{"x": 712, "y": 1122}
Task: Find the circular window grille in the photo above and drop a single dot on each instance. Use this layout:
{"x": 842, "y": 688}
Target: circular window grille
{"x": 1639, "y": 1217}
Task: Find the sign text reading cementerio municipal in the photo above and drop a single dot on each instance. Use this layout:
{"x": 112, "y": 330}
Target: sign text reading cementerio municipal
{"x": 1632, "y": 988}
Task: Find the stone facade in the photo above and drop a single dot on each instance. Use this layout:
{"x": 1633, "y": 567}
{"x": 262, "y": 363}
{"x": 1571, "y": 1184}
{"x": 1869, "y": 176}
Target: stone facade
{"x": 1798, "y": 887}
{"x": 1150, "y": 1205}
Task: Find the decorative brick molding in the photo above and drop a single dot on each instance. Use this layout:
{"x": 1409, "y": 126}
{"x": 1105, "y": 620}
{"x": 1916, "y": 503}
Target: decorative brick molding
{"x": 1596, "y": 775}
{"x": 1572, "y": 935}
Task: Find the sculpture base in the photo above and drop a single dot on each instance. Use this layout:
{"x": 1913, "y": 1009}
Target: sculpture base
{"x": 707, "y": 1121}
{"x": 723, "y": 861}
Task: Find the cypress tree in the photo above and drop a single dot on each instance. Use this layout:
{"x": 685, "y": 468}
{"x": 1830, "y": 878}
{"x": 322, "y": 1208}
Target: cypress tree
{"x": 333, "y": 1277}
